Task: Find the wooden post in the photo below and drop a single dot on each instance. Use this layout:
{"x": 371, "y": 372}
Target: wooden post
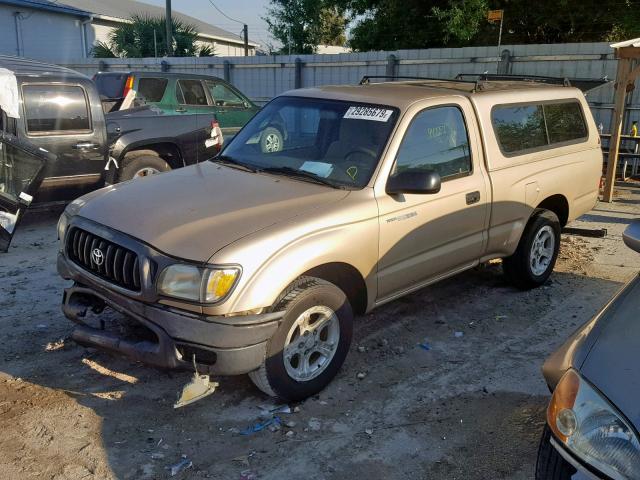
{"x": 622, "y": 80}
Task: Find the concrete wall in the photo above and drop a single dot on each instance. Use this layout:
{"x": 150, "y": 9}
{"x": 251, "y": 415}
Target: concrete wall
{"x": 263, "y": 77}
{"x": 45, "y": 35}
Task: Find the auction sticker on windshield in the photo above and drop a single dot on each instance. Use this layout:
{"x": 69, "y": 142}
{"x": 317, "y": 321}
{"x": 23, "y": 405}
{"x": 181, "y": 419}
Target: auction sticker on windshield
{"x": 368, "y": 113}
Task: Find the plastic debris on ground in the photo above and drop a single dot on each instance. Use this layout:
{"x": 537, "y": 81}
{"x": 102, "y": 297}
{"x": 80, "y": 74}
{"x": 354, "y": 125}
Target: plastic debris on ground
{"x": 314, "y": 424}
{"x": 424, "y": 346}
{"x": 270, "y": 410}
{"x": 248, "y": 475}
{"x": 458, "y": 334}
{"x": 259, "y": 426}
{"x": 183, "y": 464}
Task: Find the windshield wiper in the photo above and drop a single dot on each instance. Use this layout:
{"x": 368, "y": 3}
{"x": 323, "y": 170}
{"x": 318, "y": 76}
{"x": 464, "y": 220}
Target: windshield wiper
{"x": 233, "y": 163}
{"x": 292, "y": 172}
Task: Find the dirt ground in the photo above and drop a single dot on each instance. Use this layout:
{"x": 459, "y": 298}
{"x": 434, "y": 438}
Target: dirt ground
{"x": 471, "y": 406}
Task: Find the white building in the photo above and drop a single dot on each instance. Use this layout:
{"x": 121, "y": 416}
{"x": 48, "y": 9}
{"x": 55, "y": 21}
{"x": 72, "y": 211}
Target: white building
{"x": 67, "y": 29}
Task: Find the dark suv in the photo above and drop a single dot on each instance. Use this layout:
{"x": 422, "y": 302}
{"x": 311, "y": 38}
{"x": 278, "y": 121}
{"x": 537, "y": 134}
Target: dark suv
{"x": 178, "y": 93}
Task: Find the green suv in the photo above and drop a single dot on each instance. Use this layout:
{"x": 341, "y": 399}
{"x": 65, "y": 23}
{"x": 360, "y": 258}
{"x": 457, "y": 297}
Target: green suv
{"x": 178, "y": 93}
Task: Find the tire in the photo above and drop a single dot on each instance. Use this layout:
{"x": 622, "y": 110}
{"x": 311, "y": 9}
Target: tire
{"x": 271, "y": 140}
{"x": 550, "y": 465}
{"x": 275, "y": 377}
{"x": 520, "y": 268}
{"x": 135, "y": 166}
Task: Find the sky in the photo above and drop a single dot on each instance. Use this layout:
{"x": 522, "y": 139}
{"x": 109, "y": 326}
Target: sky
{"x": 245, "y": 11}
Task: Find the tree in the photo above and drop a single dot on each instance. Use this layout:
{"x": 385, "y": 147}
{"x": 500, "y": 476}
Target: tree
{"x": 397, "y": 24}
{"x": 302, "y": 25}
{"x": 136, "y": 39}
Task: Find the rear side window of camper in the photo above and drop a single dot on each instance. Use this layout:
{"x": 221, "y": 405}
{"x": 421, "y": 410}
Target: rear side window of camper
{"x": 523, "y": 128}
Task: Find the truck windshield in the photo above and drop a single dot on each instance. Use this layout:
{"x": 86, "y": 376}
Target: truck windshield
{"x": 337, "y": 143}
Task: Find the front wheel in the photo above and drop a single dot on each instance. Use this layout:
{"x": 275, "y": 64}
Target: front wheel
{"x": 310, "y": 345}
{"x": 535, "y": 257}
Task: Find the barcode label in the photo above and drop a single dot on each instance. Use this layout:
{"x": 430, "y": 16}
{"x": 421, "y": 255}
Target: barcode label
{"x": 368, "y": 113}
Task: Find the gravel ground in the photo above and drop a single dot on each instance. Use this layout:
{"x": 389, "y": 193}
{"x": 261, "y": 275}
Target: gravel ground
{"x": 470, "y": 407}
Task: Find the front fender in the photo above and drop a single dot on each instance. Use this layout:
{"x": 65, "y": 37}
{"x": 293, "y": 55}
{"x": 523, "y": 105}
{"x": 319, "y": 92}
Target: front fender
{"x": 264, "y": 278}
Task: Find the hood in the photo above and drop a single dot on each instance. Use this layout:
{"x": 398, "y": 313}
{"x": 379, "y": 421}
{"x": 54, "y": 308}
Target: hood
{"x": 193, "y": 212}
{"x": 612, "y": 362}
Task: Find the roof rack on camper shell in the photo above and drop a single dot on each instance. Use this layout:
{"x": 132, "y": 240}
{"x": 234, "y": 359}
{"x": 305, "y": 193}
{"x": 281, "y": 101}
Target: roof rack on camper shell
{"x": 474, "y": 82}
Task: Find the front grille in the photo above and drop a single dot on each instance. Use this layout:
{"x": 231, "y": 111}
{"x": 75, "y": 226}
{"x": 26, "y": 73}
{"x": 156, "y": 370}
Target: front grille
{"x": 119, "y": 265}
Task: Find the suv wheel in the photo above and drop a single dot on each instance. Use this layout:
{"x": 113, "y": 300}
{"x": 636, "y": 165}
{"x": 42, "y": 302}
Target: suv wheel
{"x": 311, "y": 343}
{"x": 142, "y": 166}
{"x": 535, "y": 257}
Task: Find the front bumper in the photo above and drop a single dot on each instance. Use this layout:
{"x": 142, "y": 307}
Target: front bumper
{"x": 222, "y": 345}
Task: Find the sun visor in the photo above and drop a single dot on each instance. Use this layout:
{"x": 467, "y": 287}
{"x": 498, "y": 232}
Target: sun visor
{"x": 9, "y": 98}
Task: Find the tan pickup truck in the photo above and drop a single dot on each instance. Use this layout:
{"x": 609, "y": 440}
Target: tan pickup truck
{"x": 255, "y": 262}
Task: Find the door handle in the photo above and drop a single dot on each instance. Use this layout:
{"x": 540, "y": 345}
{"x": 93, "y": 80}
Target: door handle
{"x": 181, "y": 109}
{"x": 473, "y": 197}
{"x": 86, "y": 146}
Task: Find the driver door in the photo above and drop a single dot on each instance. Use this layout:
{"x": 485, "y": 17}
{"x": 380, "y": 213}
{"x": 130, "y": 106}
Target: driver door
{"x": 21, "y": 172}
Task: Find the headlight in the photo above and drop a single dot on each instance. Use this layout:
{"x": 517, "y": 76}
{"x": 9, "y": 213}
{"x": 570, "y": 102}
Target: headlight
{"x": 593, "y": 429}
{"x": 204, "y": 285}
{"x": 63, "y": 222}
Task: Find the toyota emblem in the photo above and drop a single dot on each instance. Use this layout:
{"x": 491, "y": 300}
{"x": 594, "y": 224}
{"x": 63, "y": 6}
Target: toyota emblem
{"x": 97, "y": 256}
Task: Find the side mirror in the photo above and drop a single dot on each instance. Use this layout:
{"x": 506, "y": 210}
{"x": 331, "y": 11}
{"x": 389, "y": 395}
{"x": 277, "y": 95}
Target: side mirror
{"x": 631, "y": 236}
{"x": 419, "y": 182}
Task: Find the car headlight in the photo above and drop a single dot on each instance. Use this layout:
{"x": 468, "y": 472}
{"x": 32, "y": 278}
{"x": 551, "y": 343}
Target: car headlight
{"x": 63, "y": 222}
{"x": 591, "y": 428}
{"x": 204, "y": 285}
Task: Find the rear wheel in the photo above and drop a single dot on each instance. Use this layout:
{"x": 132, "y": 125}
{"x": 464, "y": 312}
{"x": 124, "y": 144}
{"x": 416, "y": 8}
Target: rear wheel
{"x": 535, "y": 257}
{"x": 312, "y": 342}
{"x": 142, "y": 166}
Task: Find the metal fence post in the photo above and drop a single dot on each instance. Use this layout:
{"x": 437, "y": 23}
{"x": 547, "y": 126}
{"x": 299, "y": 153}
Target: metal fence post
{"x": 227, "y": 71}
{"x": 298, "y": 73}
{"x": 392, "y": 64}
{"x": 504, "y": 64}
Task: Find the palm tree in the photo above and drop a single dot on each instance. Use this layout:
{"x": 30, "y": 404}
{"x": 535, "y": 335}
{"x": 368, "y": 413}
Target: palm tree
{"x": 144, "y": 36}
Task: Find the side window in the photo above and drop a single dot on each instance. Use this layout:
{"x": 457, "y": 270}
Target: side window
{"x": 191, "y": 92}
{"x": 565, "y": 122}
{"x": 223, "y": 96}
{"x": 519, "y": 127}
{"x": 436, "y": 140}
{"x": 56, "y": 109}
{"x": 152, "y": 89}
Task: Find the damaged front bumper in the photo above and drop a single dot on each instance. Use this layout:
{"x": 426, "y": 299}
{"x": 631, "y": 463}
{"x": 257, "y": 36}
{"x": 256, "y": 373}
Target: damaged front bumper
{"x": 222, "y": 345}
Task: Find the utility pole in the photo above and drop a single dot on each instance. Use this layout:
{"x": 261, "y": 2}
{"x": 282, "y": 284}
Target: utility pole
{"x": 169, "y": 30}
{"x": 245, "y": 31}
{"x": 493, "y": 16}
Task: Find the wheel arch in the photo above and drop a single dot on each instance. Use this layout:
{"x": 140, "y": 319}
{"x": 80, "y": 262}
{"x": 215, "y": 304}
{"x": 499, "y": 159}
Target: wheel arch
{"x": 169, "y": 152}
{"x": 347, "y": 278}
{"x": 557, "y": 204}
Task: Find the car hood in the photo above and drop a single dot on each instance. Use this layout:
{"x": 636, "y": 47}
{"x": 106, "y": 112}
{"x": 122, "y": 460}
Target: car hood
{"x": 612, "y": 362}
{"x": 193, "y": 212}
